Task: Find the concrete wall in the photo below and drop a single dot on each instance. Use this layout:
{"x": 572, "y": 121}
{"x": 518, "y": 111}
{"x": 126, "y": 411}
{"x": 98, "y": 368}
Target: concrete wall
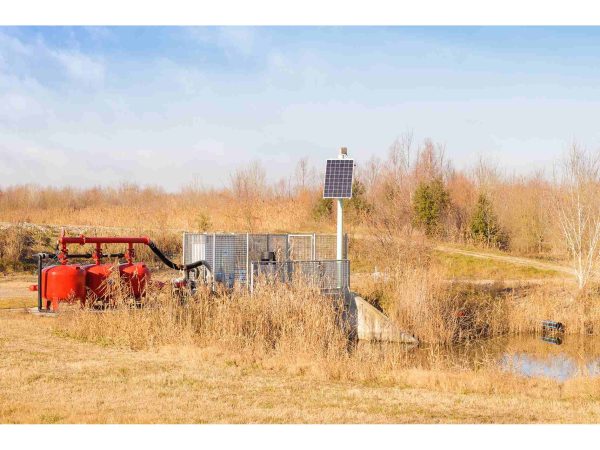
{"x": 370, "y": 324}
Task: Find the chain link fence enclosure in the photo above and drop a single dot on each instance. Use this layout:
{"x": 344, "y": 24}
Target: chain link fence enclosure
{"x": 331, "y": 276}
{"x": 231, "y": 255}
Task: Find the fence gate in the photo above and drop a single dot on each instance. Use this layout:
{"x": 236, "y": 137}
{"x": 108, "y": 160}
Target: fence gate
{"x": 301, "y": 247}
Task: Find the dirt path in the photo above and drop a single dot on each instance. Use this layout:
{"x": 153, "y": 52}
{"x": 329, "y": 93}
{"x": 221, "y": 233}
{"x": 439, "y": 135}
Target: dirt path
{"x": 14, "y": 291}
{"x": 508, "y": 259}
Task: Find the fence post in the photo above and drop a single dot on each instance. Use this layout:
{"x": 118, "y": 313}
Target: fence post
{"x": 252, "y": 278}
{"x": 287, "y": 257}
{"x": 247, "y": 256}
{"x": 184, "y": 248}
{"x": 214, "y": 247}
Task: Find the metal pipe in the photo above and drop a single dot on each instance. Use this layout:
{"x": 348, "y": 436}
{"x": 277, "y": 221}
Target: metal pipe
{"x": 39, "y": 255}
{"x": 340, "y": 239}
{"x": 89, "y": 255}
{"x": 40, "y": 258}
{"x": 82, "y": 240}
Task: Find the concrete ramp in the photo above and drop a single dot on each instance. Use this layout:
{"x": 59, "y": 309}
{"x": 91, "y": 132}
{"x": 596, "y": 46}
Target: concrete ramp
{"x": 370, "y": 324}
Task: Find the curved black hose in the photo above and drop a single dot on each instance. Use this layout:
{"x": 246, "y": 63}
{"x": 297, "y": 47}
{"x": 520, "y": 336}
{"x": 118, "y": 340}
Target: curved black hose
{"x": 176, "y": 266}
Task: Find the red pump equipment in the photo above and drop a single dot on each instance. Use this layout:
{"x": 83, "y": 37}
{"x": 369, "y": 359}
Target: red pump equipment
{"x": 75, "y": 282}
{"x": 72, "y": 282}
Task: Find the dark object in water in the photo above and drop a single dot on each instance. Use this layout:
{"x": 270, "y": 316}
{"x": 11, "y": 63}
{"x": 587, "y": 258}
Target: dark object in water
{"x": 552, "y": 340}
{"x": 549, "y": 325}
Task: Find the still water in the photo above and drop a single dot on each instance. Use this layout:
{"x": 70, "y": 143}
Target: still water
{"x": 558, "y": 357}
{"x": 561, "y": 359}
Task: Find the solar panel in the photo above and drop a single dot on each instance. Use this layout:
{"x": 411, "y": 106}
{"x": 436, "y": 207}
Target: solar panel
{"x": 338, "y": 178}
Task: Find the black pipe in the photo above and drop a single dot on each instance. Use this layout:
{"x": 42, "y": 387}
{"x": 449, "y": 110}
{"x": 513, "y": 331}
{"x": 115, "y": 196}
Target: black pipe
{"x": 90, "y": 255}
{"x": 41, "y": 257}
{"x": 39, "y": 289}
{"x": 176, "y": 266}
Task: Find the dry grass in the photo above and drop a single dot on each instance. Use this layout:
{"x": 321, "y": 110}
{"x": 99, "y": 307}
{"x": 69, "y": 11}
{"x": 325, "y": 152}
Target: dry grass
{"x": 141, "y": 208}
{"x": 422, "y": 302}
{"x": 280, "y": 356}
{"x": 276, "y": 319}
{"x": 416, "y": 293}
{"x": 49, "y": 378}
{"x": 558, "y": 301}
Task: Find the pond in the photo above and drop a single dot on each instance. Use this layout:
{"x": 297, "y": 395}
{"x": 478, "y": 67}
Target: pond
{"x": 558, "y": 357}
{"x": 555, "y": 356}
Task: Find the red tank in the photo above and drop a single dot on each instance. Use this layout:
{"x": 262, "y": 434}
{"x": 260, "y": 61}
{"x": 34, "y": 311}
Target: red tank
{"x": 95, "y": 278}
{"x": 63, "y": 283}
{"x": 136, "y": 275}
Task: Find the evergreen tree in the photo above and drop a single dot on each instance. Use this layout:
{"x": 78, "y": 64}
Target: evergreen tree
{"x": 485, "y": 227}
{"x": 356, "y": 206}
{"x": 430, "y": 204}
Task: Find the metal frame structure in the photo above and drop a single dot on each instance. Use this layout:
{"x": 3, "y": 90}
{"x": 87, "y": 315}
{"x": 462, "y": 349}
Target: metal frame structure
{"x": 236, "y": 257}
{"x": 324, "y": 274}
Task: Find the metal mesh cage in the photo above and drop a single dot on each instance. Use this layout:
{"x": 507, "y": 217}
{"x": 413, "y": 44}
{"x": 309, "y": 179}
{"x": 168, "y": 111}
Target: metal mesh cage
{"x": 231, "y": 255}
{"x": 331, "y": 276}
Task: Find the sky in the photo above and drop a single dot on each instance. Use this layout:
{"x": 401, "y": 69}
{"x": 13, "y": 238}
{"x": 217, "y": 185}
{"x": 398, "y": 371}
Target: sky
{"x": 168, "y": 106}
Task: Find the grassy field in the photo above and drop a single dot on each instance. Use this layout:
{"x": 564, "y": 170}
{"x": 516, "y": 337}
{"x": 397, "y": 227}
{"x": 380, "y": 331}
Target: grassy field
{"x": 124, "y": 368}
{"x": 45, "y": 378}
{"x": 14, "y": 292}
{"x": 460, "y": 266}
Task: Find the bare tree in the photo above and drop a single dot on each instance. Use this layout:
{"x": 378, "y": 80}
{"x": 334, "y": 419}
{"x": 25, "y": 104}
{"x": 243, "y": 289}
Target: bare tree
{"x": 249, "y": 186}
{"x": 487, "y": 174}
{"x": 249, "y": 182}
{"x": 302, "y": 172}
{"x": 576, "y": 203}
{"x": 369, "y": 173}
{"x": 305, "y": 174}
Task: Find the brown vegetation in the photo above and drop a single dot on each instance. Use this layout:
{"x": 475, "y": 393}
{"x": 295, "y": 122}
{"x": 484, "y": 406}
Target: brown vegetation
{"x": 294, "y": 334}
{"x": 482, "y": 206}
{"x": 49, "y": 378}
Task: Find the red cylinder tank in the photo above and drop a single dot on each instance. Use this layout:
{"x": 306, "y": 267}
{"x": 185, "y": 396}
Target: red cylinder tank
{"x": 136, "y": 276}
{"x": 95, "y": 278}
{"x": 63, "y": 283}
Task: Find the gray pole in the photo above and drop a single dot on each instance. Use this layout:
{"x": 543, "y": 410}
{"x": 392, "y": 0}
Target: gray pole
{"x": 340, "y": 230}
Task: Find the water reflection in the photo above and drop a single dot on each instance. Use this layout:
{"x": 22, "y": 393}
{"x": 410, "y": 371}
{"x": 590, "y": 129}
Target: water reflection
{"x": 554, "y": 356}
{"x": 574, "y": 356}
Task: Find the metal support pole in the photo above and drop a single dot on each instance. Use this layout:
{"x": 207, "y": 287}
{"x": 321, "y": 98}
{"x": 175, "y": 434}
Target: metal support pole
{"x": 214, "y": 246}
{"x": 183, "y": 246}
{"x": 39, "y": 282}
{"x": 252, "y": 278}
{"x": 247, "y": 257}
{"x": 340, "y": 239}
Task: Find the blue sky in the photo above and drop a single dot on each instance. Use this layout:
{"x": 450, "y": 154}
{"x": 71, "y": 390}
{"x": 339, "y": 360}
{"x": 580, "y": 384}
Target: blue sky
{"x": 169, "y": 105}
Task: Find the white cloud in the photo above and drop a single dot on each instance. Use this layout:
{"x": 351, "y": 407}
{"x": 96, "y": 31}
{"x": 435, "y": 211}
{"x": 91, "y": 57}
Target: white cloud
{"x": 14, "y": 45}
{"x": 15, "y": 106}
{"x": 100, "y": 33}
{"x": 35, "y": 58}
{"x": 240, "y": 39}
{"x": 80, "y": 67}
{"x": 234, "y": 41}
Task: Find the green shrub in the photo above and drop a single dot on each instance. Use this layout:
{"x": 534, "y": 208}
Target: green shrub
{"x": 430, "y": 204}
{"x": 485, "y": 228}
